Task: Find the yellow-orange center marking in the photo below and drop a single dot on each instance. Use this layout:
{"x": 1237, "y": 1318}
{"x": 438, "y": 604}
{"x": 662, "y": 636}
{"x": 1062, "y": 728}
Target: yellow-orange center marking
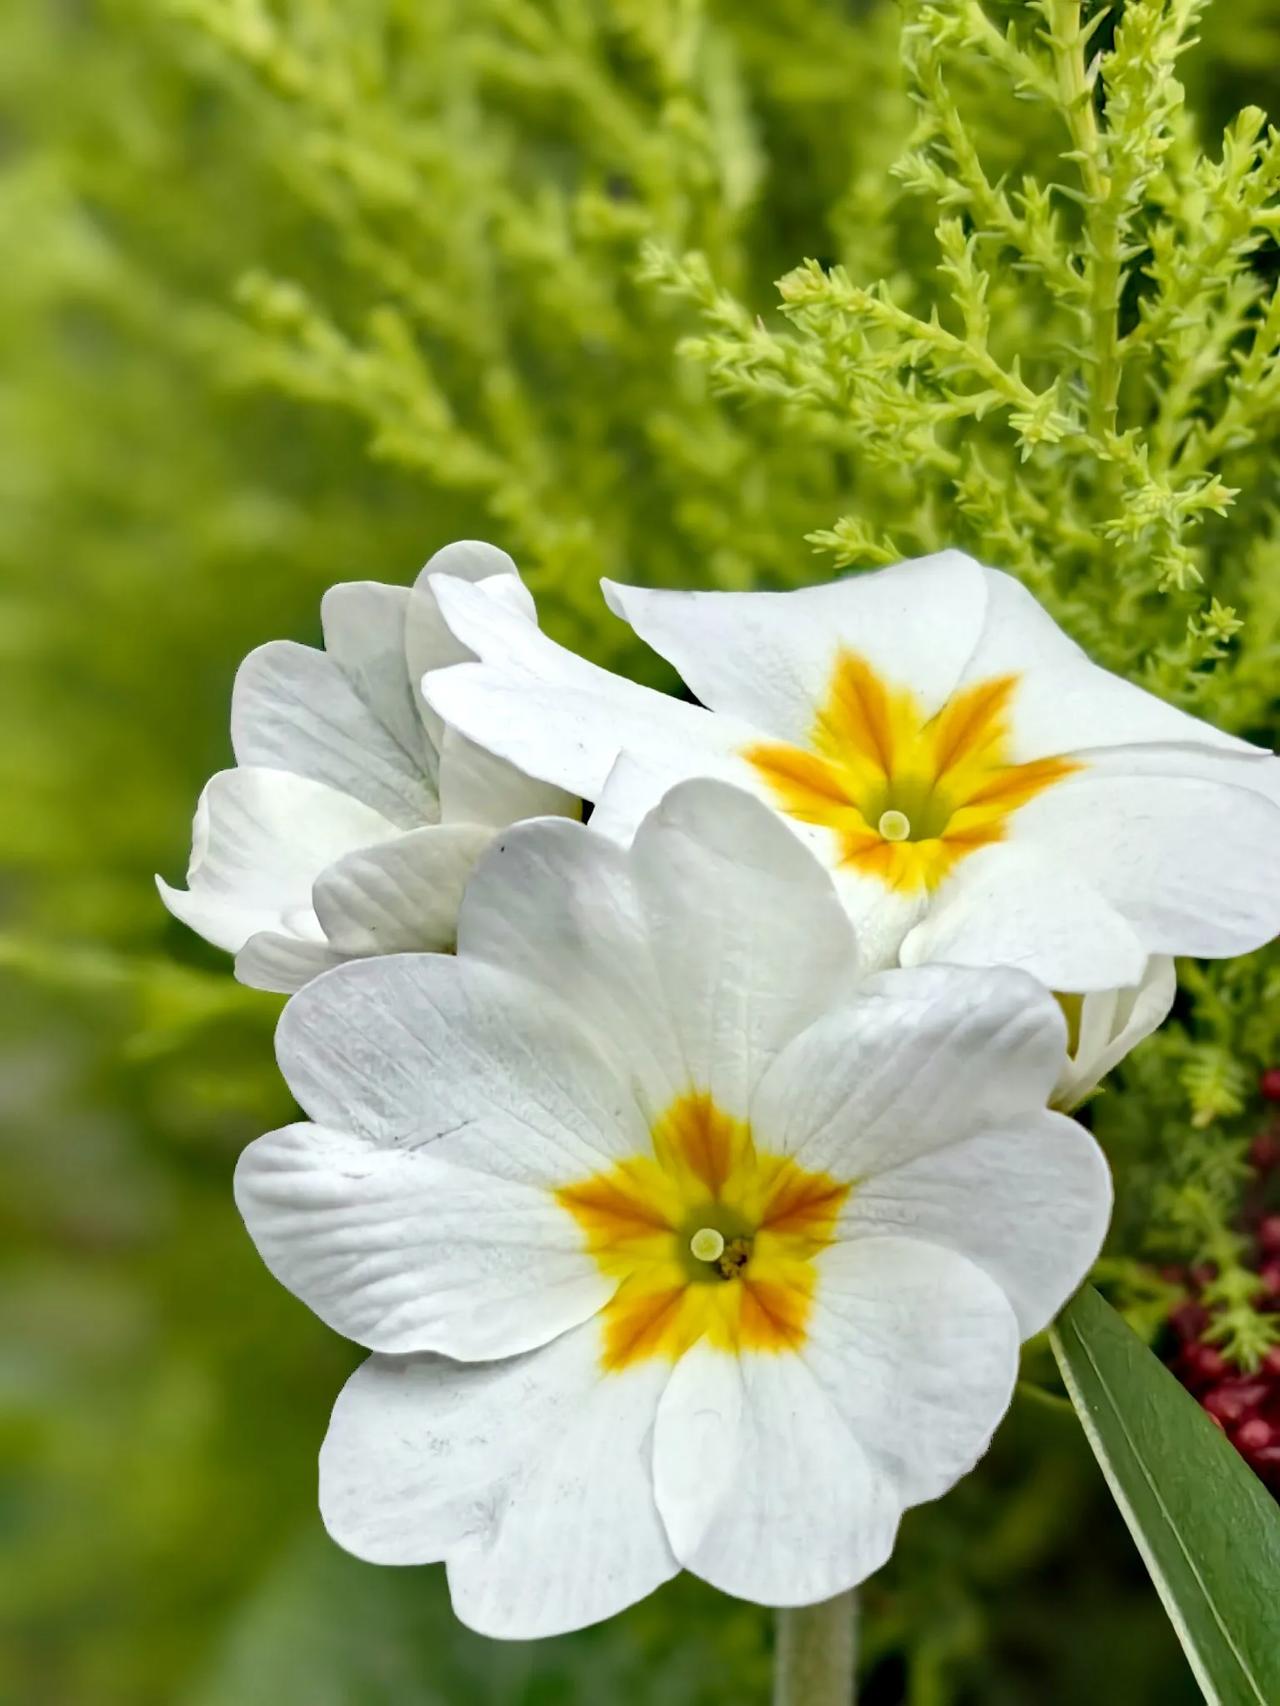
{"x": 908, "y": 795}
{"x": 647, "y": 1222}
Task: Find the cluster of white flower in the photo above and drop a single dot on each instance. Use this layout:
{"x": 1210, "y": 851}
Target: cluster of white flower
{"x": 693, "y": 1174}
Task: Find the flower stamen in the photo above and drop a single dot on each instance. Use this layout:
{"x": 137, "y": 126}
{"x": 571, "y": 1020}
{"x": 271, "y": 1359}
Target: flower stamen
{"x": 707, "y": 1244}
{"x": 894, "y": 825}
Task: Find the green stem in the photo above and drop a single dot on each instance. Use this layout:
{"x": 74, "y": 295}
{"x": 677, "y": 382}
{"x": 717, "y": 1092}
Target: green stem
{"x": 816, "y": 1652}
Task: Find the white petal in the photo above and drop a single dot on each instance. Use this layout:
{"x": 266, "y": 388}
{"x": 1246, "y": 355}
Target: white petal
{"x": 749, "y": 939}
{"x": 1065, "y": 703}
{"x": 553, "y": 902}
{"x": 921, "y": 1059}
{"x": 1191, "y": 864}
{"x": 476, "y": 787}
{"x": 259, "y": 841}
{"x": 767, "y": 657}
{"x": 1112, "y": 1023}
{"x": 531, "y": 1476}
{"x": 364, "y": 634}
{"x": 556, "y": 716}
{"x": 428, "y": 643}
{"x": 402, "y": 895}
{"x": 294, "y": 709}
{"x": 1027, "y": 1202}
{"x": 790, "y": 1509}
{"x": 283, "y": 963}
{"x": 402, "y": 1252}
{"x": 425, "y": 1048}
{"x": 1021, "y": 904}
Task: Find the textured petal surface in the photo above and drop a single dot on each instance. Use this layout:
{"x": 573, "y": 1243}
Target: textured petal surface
{"x": 531, "y": 1476}
{"x": 556, "y": 716}
{"x": 364, "y": 633}
{"x": 767, "y": 658}
{"x": 1190, "y": 863}
{"x": 553, "y": 902}
{"x": 260, "y": 839}
{"x": 425, "y": 1048}
{"x": 1027, "y": 1202}
{"x": 749, "y": 939}
{"x": 765, "y": 1493}
{"x": 477, "y": 787}
{"x": 402, "y": 1252}
{"x": 1021, "y": 904}
{"x": 1064, "y": 702}
{"x": 293, "y": 708}
{"x": 283, "y": 963}
{"x": 919, "y": 1060}
{"x": 402, "y": 895}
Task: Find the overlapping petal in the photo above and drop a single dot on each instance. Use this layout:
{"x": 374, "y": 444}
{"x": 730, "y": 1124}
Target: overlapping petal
{"x": 350, "y": 722}
{"x": 1041, "y": 812}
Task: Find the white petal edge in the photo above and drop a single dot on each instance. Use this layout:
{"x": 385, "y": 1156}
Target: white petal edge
{"x": 531, "y": 1477}
{"x": 401, "y": 1252}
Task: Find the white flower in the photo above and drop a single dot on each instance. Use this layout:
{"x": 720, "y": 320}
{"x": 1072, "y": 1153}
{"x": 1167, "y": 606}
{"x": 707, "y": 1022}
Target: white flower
{"x": 354, "y": 816}
{"x": 1104, "y": 1026}
{"x": 982, "y": 792}
{"x": 676, "y": 1246}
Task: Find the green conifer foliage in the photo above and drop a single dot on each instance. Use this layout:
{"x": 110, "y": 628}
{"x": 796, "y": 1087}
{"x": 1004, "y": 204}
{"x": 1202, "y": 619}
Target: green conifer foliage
{"x": 681, "y": 291}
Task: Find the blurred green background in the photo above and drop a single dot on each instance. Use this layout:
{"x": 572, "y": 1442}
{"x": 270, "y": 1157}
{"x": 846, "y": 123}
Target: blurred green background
{"x": 295, "y": 292}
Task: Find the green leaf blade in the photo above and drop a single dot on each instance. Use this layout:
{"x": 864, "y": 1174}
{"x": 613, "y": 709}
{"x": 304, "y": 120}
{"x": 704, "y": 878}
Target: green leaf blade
{"x": 1207, "y": 1529}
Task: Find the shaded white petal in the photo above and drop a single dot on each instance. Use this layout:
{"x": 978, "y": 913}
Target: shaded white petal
{"x": 293, "y": 708}
{"x": 1190, "y": 864}
{"x": 1027, "y": 1202}
{"x": 919, "y": 1060}
{"x": 1065, "y": 703}
{"x": 556, "y": 716}
{"x": 1111, "y": 1023}
{"x": 259, "y": 840}
{"x": 764, "y": 1491}
{"x": 364, "y": 634}
{"x": 283, "y": 963}
{"x": 477, "y": 787}
{"x": 402, "y": 895}
{"x": 531, "y": 1476}
{"x": 749, "y": 938}
{"x": 768, "y": 657}
{"x": 428, "y": 643}
{"x": 553, "y": 902}
{"x": 425, "y": 1048}
{"x": 402, "y": 1252}
{"x": 1022, "y": 904}
{"x": 917, "y": 1350}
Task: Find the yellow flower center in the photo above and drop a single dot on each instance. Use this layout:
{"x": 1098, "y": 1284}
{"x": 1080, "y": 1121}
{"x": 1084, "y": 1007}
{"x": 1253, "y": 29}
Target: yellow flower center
{"x": 708, "y": 1238}
{"x": 908, "y": 795}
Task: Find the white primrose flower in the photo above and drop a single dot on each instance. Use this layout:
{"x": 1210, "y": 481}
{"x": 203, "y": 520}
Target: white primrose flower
{"x": 982, "y": 792}
{"x": 676, "y": 1245}
{"x": 1104, "y": 1026}
{"x": 354, "y": 816}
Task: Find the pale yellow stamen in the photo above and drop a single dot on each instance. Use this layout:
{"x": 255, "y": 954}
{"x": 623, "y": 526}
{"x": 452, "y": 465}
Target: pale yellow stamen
{"x": 707, "y": 1244}
{"x": 894, "y": 825}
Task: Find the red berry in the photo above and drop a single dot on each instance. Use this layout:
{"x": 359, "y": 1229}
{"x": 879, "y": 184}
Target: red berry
{"x": 1189, "y": 1320}
{"x": 1269, "y": 1084}
{"x": 1254, "y": 1435}
{"x": 1269, "y": 1233}
{"x": 1271, "y": 1362}
{"x": 1264, "y": 1152}
{"x": 1206, "y": 1363}
{"x": 1234, "y": 1400}
{"x": 1269, "y": 1274}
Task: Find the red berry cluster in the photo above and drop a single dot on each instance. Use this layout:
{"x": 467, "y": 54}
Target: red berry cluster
{"x": 1245, "y": 1406}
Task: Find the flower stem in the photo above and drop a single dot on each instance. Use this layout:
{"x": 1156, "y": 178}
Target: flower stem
{"x": 815, "y": 1653}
